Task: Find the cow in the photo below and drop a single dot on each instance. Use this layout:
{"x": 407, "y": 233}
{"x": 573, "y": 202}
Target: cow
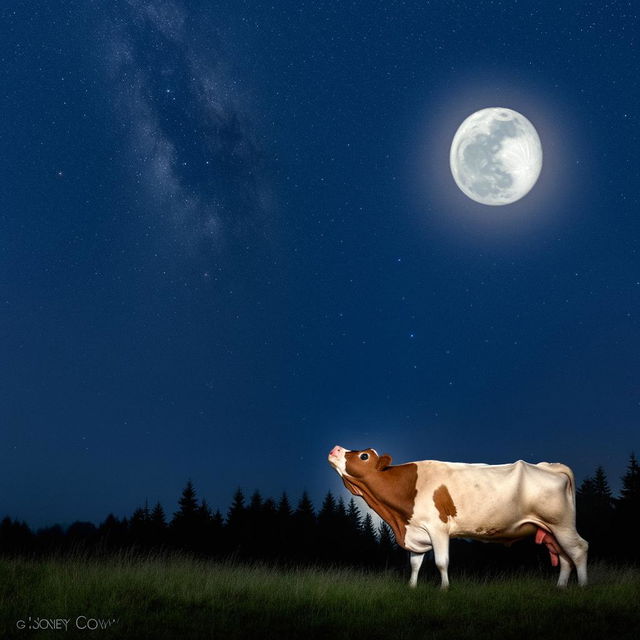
{"x": 428, "y": 502}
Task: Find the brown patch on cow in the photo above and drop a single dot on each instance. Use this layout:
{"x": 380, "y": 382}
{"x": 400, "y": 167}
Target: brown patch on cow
{"x": 389, "y": 491}
{"x": 479, "y": 530}
{"x": 444, "y": 503}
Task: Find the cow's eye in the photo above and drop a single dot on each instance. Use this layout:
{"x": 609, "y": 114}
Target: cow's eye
{"x": 364, "y": 456}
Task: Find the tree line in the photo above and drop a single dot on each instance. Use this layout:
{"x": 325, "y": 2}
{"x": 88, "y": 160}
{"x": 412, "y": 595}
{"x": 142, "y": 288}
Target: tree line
{"x": 338, "y": 533}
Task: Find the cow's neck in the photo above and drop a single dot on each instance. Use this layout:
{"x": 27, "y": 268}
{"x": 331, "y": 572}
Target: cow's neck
{"x": 391, "y": 494}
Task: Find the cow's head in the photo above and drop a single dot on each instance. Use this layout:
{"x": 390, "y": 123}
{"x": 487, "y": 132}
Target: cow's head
{"x": 357, "y": 465}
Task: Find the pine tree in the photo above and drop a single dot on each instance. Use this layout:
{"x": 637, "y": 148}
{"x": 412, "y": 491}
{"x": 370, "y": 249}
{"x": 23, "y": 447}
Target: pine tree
{"x": 216, "y": 528}
{"x": 601, "y": 486}
{"x": 237, "y": 509}
{"x": 188, "y": 505}
{"x": 630, "y": 491}
{"x": 112, "y": 533}
{"x": 188, "y": 502}
{"x": 237, "y": 534}
{"x": 304, "y": 511}
{"x": 265, "y": 541}
{"x": 255, "y": 529}
{"x": 594, "y": 512}
{"x": 587, "y": 488}
{"x": 202, "y": 541}
{"x": 186, "y": 520}
{"x": 628, "y": 512}
{"x": 284, "y": 506}
{"x": 304, "y": 530}
{"x": 328, "y": 508}
{"x": 327, "y": 534}
{"x": 368, "y": 542}
{"x": 15, "y": 536}
{"x": 139, "y": 517}
{"x": 385, "y": 535}
{"x": 354, "y": 551}
{"x": 204, "y": 513}
{"x": 158, "y": 519}
{"x": 217, "y": 520}
{"x": 284, "y": 528}
{"x": 256, "y": 502}
{"x": 269, "y": 506}
{"x": 368, "y": 530}
{"x": 353, "y": 515}
{"x": 386, "y": 544}
{"x": 158, "y": 525}
{"x": 140, "y": 526}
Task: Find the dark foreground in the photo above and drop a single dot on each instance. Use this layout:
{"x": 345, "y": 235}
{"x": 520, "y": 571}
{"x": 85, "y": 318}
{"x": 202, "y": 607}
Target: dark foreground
{"x": 183, "y": 598}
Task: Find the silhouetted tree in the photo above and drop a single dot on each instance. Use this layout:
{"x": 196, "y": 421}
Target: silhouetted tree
{"x": 157, "y": 526}
{"x": 187, "y": 520}
{"x": 50, "y": 539}
{"x": 594, "y": 512}
{"x": 327, "y": 534}
{"x": 158, "y": 517}
{"x": 255, "y": 531}
{"x": 386, "y": 544}
{"x": 353, "y": 514}
{"x": 139, "y": 526}
{"x": 188, "y": 504}
{"x": 304, "y": 528}
{"x": 80, "y": 536}
{"x": 203, "y": 529}
{"x": 113, "y": 533}
{"x": 216, "y": 545}
{"x": 628, "y": 512}
{"x": 346, "y": 551}
{"x": 267, "y": 547}
{"x": 284, "y": 519}
{"x": 236, "y": 533}
{"x": 15, "y": 536}
{"x": 630, "y": 491}
{"x": 369, "y": 542}
{"x": 601, "y": 485}
{"x": 353, "y": 534}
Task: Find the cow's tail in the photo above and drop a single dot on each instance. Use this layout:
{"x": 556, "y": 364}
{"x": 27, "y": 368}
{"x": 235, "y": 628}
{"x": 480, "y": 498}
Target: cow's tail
{"x": 558, "y": 467}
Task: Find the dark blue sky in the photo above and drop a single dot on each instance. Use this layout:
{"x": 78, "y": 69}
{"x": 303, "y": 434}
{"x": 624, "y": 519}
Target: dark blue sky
{"x": 230, "y": 240}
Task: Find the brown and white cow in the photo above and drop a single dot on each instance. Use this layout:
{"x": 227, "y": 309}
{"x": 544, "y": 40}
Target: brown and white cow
{"x": 428, "y": 502}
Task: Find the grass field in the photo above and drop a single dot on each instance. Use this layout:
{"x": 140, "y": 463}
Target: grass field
{"x": 177, "y": 597}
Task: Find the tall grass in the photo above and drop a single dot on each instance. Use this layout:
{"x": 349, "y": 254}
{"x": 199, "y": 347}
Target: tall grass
{"x": 178, "y": 597}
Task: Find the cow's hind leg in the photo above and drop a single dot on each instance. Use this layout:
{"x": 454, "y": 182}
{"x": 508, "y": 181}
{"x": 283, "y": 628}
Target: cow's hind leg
{"x": 565, "y": 570}
{"x": 440, "y": 544}
{"x": 415, "y": 560}
{"x": 576, "y": 548}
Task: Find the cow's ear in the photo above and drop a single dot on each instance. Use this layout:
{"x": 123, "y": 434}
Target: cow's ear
{"x": 383, "y": 462}
{"x": 352, "y": 487}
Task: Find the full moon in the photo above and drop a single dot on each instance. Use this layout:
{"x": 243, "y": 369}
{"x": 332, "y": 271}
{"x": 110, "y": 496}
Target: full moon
{"x": 496, "y": 156}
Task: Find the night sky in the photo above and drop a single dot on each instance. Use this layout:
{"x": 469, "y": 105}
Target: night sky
{"x": 230, "y": 240}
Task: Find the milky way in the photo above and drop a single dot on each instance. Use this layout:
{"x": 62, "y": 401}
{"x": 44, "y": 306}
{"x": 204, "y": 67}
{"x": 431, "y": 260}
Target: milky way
{"x": 191, "y": 145}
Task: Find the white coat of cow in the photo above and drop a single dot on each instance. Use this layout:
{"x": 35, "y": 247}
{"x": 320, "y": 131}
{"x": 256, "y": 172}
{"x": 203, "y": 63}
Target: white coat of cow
{"x": 428, "y": 502}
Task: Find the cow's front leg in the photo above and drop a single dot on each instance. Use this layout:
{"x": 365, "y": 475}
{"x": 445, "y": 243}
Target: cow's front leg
{"x": 415, "y": 560}
{"x": 441, "y": 554}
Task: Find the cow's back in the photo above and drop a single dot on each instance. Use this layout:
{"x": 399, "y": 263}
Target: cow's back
{"x": 493, "y": 501}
